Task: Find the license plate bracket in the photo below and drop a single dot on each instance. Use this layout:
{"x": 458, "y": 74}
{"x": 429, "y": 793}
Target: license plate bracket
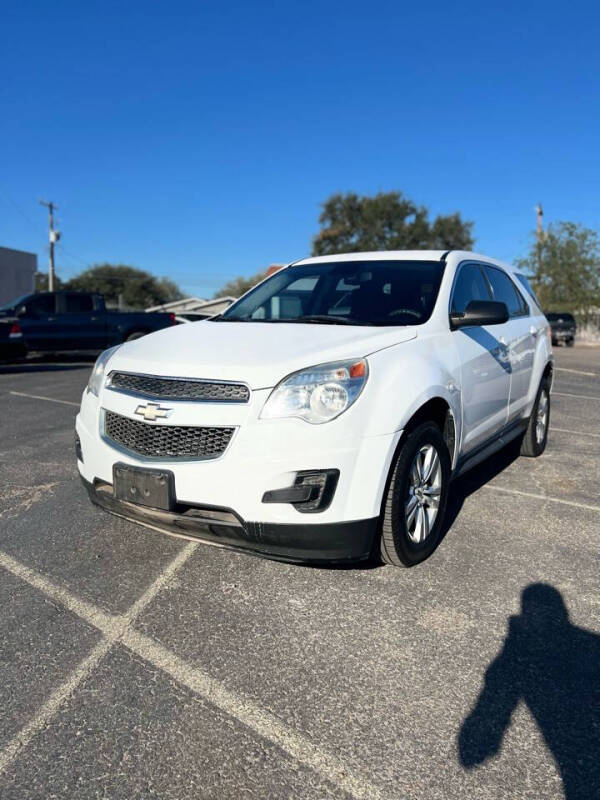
{"x": 154, "y": 488}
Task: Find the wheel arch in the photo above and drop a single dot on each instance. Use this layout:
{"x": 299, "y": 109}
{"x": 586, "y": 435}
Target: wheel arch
{"x": 435, "y": 409}
{"x": 548, "y": 372}
{"x": 438, "y": 410}
{"x": 136, "y": 329}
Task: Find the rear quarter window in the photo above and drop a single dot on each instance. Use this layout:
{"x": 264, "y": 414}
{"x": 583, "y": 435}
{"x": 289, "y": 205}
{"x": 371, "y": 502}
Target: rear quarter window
{"x": 524, "y": 281}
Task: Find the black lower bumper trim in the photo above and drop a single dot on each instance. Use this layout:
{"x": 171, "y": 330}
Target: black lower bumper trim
{"x": 301, "y": 542}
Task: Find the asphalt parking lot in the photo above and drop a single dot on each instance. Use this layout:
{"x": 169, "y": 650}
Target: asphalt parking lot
{"x": 135, "y": 664}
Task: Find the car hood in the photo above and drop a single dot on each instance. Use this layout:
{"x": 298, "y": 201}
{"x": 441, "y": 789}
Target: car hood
{"x": 257, "y": 353}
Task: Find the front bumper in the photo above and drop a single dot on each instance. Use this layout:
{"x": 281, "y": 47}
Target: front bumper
{"x": 299, "y": 542}
{"x": 560, "y": 336}
{"x": 263, "y": 456}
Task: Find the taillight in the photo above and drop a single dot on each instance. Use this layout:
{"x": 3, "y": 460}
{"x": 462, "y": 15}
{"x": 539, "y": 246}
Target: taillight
{"x": 15, "y": 330}
{"x": 172, "y": 318}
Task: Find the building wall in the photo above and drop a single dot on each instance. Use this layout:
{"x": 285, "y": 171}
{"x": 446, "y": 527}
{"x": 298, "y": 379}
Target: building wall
{"x": 17, "y": 273}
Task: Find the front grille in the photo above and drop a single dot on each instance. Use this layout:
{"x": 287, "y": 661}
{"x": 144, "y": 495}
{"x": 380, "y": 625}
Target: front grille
{"x": 180, "y": 388}
{"x": 166, "y": 441}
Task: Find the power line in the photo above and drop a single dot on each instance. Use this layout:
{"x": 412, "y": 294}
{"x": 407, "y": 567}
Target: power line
{"x": 19, "y": 210}
{"x": 73, "y": 256}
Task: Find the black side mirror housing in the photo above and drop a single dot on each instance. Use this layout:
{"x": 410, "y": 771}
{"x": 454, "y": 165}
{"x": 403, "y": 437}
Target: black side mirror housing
{"x": 480, "y": 312}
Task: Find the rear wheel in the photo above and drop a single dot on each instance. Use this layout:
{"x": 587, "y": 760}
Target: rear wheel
{"x": 135, "y": 335}
{"x": 415, "y": 502}
{"x": 536, "y": 435}
{"x": 570, "y": 342}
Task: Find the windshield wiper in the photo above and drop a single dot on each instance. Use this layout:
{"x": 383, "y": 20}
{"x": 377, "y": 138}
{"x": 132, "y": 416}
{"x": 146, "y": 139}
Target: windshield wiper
{"x": 328, "y": 319}
{"x": 221, "y": 318}
{"x": 321, "y": 319}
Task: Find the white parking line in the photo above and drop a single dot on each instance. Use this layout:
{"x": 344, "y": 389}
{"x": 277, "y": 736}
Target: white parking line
{"x": 113, "y": 628}
{"x": 582, "y": 396}
{"x": 253, "y": 716}
{"x": 540, "y": 497}
{"x": 41, "y": 397}
{"x": 576, "y": 433}
{"x": 120, "y": 629}
{"x": 54, "y": 702}
{"x": 576, "y": 371}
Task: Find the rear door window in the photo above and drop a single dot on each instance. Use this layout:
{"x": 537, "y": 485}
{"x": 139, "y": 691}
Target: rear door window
{"x": 504, "y": 291}
{"x": 78, "y": 303}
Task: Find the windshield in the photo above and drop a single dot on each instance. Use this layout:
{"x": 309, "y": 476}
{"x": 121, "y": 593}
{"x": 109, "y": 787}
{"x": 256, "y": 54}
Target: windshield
{"x": 344, "y": 293}
{"x": 12, "y": 304}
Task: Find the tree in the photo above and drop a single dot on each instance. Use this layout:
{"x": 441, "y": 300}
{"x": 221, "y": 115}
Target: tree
{"x": 135, "y": 287}
{"x": 387, "y": 221}
{"x": 41, "y": 282}
{"x": 564, "y": 268}
{"x": 240, "y": 285}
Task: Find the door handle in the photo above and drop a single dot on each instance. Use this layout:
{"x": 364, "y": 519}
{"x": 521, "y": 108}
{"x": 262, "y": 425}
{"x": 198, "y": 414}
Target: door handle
{"x": 51, "y": 319}
{"x": 533, "y": 331}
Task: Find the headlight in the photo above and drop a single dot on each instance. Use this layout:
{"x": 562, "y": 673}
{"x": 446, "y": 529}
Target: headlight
{"x": 317, "y": 394}
{"x": 97, "y": 376}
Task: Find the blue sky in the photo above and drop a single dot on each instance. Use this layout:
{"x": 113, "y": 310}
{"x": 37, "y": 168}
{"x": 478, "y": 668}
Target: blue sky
{"x": 198, "y": 139}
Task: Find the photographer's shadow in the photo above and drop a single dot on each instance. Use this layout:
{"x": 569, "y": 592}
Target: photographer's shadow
{"x": 554, "y": 668}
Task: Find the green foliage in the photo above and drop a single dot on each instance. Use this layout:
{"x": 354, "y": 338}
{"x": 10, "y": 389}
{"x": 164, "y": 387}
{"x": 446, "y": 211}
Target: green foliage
{"x": 41, "y": 282}
{"x": 564, "y": 269}
{"x": 138, "y": 289}
{"x": 239, "y": 286}
{"x": 387, "y": 221}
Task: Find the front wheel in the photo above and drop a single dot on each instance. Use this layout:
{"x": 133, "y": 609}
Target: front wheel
{"x": 416, "y": 498}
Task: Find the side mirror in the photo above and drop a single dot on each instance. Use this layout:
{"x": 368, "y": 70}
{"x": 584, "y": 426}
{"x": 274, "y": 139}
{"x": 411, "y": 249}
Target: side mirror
{"x": 480, "y": 312}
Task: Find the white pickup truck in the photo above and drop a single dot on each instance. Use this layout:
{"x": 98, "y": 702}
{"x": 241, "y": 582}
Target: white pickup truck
{"x": 323, "y": 415}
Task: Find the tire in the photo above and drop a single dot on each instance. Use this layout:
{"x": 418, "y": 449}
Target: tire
{"x": 135, "y": 335}
{"x": 399, "y": 542}
{"x": 570, "y": 342}
{"x": 535, "y": 438}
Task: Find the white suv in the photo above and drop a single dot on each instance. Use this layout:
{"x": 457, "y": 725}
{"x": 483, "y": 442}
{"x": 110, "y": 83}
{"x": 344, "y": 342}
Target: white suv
{"x": 323, "y": 415}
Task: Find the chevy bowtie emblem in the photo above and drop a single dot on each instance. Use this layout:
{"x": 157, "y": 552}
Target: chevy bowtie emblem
{"x": 153, "y": 411}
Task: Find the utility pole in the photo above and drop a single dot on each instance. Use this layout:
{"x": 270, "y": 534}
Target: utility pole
{"x": 539, "y": 211}
{"x": 53, "y": 237}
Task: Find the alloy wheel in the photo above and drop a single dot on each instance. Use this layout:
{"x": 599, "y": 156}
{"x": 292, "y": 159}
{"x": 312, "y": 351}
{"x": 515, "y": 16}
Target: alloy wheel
{"x": 424, "y": 490}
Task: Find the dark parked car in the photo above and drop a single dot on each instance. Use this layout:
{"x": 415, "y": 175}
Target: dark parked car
{"x": 58, "y": 322}
{"x": 563, "y": 327}
{"x": 11, "y": 340}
